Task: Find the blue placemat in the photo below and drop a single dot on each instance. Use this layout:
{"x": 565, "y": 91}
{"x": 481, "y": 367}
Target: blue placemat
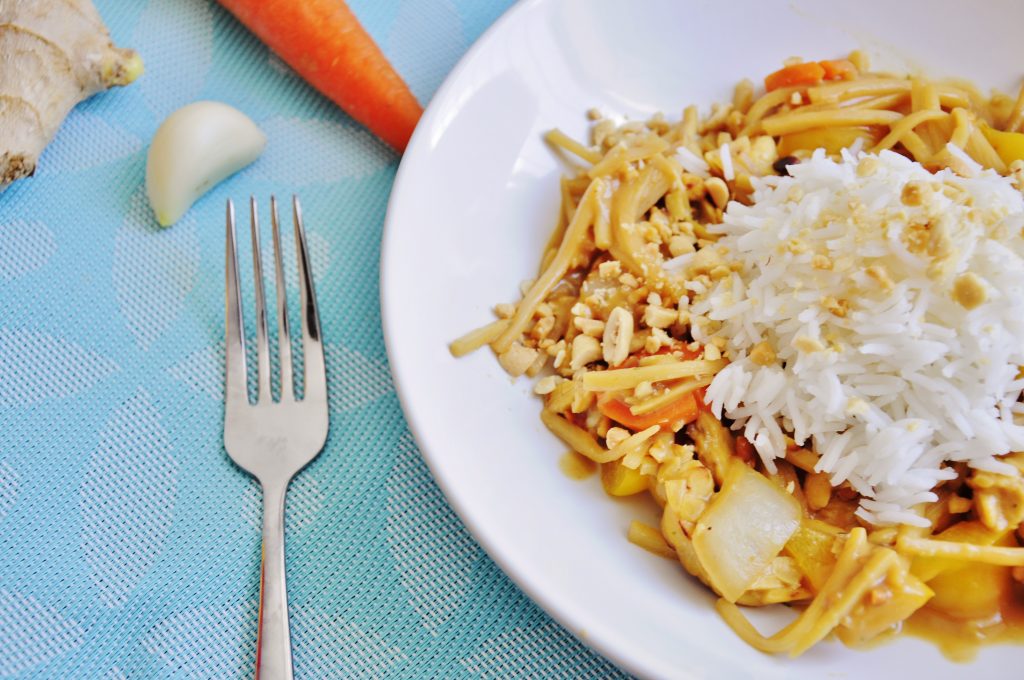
{"x": 129, "y": 544}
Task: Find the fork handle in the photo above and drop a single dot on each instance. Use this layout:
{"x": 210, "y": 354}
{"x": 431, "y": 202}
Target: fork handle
{"x": 273, "y": 640}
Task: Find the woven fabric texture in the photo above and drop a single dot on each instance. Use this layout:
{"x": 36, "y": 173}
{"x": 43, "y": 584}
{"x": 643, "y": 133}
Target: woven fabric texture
{"x": 129, "y": 543}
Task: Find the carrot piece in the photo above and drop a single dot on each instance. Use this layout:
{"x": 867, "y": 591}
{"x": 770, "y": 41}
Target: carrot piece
{"x": 804, "y": 73}
{"x": 700, "y": 394}
{"x": 325, "y": 44}
{"x": 839, "y": 69}
{"x": 685, "y": 409}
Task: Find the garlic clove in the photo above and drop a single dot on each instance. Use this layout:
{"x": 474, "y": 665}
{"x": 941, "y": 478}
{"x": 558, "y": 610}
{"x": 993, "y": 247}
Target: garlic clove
{"x": 196, "y": 147}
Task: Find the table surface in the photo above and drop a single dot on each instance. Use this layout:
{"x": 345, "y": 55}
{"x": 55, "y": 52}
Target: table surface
{"x": 129, "y": 543}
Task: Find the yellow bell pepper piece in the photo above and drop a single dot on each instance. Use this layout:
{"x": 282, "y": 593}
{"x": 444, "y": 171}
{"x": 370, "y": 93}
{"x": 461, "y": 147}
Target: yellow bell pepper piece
{"x": 810, "y": 546}
{"x": 971, "y": 590}
{"x": 619, "y": 480}
{"x": 1009, "y": 145}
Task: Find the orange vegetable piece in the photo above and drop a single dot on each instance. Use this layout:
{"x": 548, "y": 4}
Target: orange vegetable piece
{"x": 839, "y": 69}
{"x": 325, "y": 44}
{"x": 685, "y": 409}
{"x": 804, "y": 73}
{"x": 699, "y": 395}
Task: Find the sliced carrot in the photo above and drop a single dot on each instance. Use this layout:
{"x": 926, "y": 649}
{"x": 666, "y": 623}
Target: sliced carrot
{"x": 325, "y": 44}
{"x": 684, "y": 409}
{"x": 804, "y": 73}
{"x": 839, "y": 69}
{"x": 699, "y": 395}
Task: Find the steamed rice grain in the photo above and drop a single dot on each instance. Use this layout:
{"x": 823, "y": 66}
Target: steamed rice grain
{"x": 897, "y": 323}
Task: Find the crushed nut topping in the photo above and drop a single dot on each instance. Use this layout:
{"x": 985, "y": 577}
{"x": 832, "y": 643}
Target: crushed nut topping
{"x": 592, "y": 327}
{"x": 547, "y": 385}
{"x": 969, "y": 290}
{"x": 618, "y": 333}
{"x": 585, "y": 350}
{"x": 762, "y": 354}
{"x": 517, "y": 358}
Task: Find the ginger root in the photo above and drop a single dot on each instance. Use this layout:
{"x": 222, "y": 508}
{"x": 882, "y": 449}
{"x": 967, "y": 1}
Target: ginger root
{"x": 53, "y": 55}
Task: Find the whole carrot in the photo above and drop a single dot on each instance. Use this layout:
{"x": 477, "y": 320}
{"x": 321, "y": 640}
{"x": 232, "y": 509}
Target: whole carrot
{"x": 325, "y": 44}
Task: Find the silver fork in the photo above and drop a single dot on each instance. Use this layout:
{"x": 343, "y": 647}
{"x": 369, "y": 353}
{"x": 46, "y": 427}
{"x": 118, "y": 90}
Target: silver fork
{"x": 271, "y": 440}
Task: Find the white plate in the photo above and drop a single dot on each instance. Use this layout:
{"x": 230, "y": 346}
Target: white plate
{"x": 475, "y": 200}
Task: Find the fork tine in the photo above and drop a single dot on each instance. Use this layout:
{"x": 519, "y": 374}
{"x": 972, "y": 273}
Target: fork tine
{"x": 262, "y": 346}
{"x": 234, "y": 341}
{"x": 312, "y": 344}
{"x": 284, "y": 337}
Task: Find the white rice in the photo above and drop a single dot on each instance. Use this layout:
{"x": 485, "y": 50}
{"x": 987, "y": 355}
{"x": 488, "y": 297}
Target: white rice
{"x": 692, "y": 163}
{"x": 908, "y": 379}
{"x": 725, "y": 153}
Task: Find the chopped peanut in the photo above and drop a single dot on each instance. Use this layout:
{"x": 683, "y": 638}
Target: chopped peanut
{"x": 618, "y": 333}
{"x": 591, "y": 327}
{"x": 867, "y": 166}
{"x": 681, "y": 244}
{"x": 517, "y": 358}
{"x": 705, "y": 260}
{"x": 913, "y": 193}
{"x": 615, "y": 436}
{"x": 580, "y": 309}
{"x": 547, "y": 384}
{"x": 610, "y": 269}
{"x": 969, "y": 290}
{"x": 585, "y": 349}
{"x": 542, "y": 327}
{"x": 659, "y": 317}
{"x": 656, "y": 340}
{"x": 629, "y": 280}
{"x": 504, "y": 310}
{"x": 762, "y": 354}
{"x": 718, "y": 190}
